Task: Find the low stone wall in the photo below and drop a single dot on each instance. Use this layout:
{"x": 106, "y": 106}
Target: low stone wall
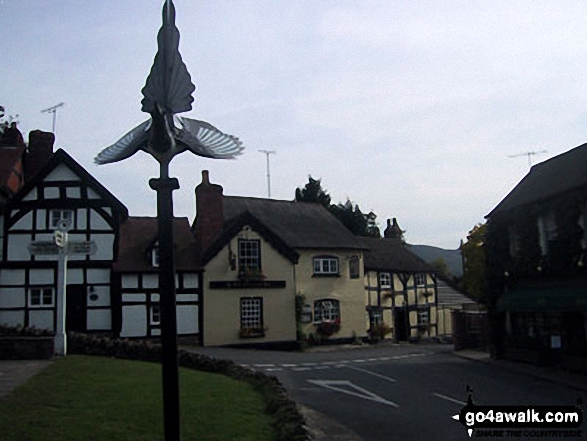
{"x": 20, "y": 343}
{"x": 289, "y": 423}
{"x": 15, "y": 347}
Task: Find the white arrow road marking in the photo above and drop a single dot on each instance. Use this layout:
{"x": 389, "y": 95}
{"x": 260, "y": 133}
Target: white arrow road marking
{"x": 346, "y": 387}
{"x": 375, "y": 374}
{"x": 454, "y": 400}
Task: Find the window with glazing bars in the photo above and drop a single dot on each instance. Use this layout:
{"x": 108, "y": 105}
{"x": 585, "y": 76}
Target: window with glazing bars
{"x": 326, "y": 310}
{"x": 325, "y": 265}
{"x": 249, "y": 254}
{"x": 251, "y": 312}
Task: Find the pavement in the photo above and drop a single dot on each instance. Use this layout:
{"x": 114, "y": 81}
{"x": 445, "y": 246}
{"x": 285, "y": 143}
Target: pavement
{"x": 550, "y": 374}
{"x": 13, "y": 373}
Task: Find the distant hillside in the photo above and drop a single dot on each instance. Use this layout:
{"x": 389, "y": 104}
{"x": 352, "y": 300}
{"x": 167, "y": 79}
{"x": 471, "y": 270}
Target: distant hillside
{"x": 429, "y": 254}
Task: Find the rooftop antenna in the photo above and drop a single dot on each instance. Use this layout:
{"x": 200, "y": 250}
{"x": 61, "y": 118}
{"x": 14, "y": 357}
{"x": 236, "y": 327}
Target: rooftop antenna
{"x": 53, "y": 110}
{"x": 267, "y": 153}
{"x": 529, "y": 155}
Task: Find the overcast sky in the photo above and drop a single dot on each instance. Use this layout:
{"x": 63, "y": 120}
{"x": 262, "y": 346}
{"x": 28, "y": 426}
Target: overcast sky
{"x": 408, "y": 108}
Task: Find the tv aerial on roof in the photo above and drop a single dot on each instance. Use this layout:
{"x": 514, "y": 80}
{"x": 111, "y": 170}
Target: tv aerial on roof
{"x": 529, "y": 155}
{"x": 53, "y": 110}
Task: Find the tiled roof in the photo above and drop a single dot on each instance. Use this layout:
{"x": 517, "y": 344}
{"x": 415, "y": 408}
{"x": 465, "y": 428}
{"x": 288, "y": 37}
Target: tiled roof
{"x": 137, "y": 236}
{"x": 449, "y": 296}
{"x": 297, "y": 224}
{"x": 391, "y": 255}
{"x": 556, "y": 175}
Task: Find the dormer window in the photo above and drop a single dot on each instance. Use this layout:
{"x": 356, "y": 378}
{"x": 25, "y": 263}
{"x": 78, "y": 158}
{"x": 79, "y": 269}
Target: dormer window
{"x": 56, "y": 216}
{"x": 326, "y": 265}
{"x": 155, "y": 256}
{"x": 385, "y": 280}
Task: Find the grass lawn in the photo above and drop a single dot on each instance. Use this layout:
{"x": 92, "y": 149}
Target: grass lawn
{"x": 86, "y": 398}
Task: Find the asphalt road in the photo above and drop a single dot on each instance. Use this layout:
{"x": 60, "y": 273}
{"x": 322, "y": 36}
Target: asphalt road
{"x": 398, "y": 392}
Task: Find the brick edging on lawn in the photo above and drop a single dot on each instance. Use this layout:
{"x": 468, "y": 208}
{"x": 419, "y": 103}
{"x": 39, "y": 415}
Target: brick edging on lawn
{"x": 289, "y": 423}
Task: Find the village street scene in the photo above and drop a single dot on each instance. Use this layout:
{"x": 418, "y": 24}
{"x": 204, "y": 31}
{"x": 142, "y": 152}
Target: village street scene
{"x": 303, "y": 264}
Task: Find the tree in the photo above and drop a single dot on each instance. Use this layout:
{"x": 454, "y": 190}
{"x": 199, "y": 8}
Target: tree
{"x": 474, "y": 269}
{"x": 5, "y": 123}
{"x": 348, "y": 213}
{"x": 355, "y": 220}
{"x": 313, "y": 192}
{"x": 439, "y": 265}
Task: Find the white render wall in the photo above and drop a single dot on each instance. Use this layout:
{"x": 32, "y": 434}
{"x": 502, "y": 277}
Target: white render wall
{"x": 140, "y": 293}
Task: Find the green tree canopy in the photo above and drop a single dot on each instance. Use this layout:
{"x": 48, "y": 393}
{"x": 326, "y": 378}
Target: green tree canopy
{"x": 439, "y": 265}
{"x": 348, "y": 213}
{"x": 313, "y": 192}
{"x": 474, "y": 270}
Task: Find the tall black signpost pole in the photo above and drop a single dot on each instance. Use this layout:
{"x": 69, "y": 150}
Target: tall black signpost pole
{"x": 164, "y": 186}
{"x": 167, "y": 92}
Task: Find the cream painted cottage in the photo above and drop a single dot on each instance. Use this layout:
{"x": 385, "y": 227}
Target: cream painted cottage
{"x": 259, "y": 254}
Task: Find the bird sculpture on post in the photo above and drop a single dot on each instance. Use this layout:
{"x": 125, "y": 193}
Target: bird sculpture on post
{"x": 167, "y": 92}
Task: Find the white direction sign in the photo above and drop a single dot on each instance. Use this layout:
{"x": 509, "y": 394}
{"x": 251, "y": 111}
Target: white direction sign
{"x": 346, "y": 387}
{"x": 61, "y": 246}
{"x": 43, "y": 247}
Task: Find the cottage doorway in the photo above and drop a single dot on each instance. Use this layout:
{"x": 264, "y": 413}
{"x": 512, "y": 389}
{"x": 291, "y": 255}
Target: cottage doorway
{"x": 400, "y": 320}
{"x": 75, "y": 317}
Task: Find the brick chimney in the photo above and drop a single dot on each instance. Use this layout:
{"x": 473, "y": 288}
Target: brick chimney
{"x": 39, "y": 152}
{"x": 209, "y": 211}
{"x": 393, "y": 231}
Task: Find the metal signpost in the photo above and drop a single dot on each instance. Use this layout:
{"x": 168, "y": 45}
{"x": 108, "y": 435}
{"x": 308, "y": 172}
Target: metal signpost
{"x": 63, "y": 247}
{"x": 167, "y": 92}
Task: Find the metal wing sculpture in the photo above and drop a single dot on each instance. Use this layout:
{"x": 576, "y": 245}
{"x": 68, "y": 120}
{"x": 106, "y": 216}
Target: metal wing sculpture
{"x": 168, "y": 91}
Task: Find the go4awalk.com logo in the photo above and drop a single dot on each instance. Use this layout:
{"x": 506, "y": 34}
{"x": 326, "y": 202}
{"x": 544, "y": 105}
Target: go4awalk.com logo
{"x": 521, "y": 421}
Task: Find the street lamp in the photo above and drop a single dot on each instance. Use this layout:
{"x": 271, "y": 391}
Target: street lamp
{"x": 167, "y": 92}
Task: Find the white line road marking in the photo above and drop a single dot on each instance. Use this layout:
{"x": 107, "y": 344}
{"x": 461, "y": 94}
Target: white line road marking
{"x": 289, "y": 365}
{"x": 375, "y": 374}
{"x": 244, "y": 365}
{"x": 359, "y": 361}
{"x": 264, "y": 365}
{"x": 301, "y": 369}
{"x": 384, "y": 358}
{"x": 330, "y": 362}
{"x": 273, "y": 370}
{"x": 453, "y": 400}
{"x": 321, "y": 368}
{"x": 346, "y": 387}
{"x": 309, "y": 364}
{"x": 372, "y": 359}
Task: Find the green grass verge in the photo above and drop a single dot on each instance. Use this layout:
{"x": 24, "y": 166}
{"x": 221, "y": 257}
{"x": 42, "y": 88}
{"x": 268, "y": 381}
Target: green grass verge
{"x": 97, "y": 398}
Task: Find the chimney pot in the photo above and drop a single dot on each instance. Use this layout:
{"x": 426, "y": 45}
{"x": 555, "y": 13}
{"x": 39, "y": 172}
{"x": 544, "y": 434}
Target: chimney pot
{"x": 209, "y": 211}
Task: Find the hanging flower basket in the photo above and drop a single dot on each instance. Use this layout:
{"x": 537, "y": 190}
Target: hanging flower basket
{"x": 328, "y": 328}
{"x": 251, "y": 275}
{"x": 252, "y": 332}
